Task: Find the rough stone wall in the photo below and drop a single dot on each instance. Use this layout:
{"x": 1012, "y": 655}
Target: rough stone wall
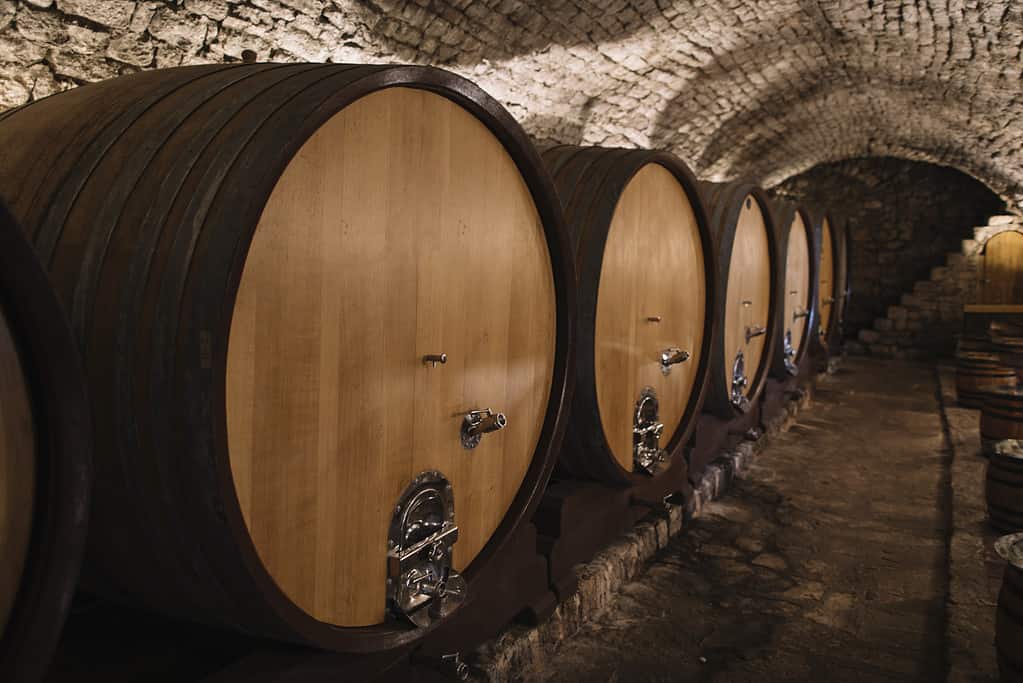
{"x": 766, "y": 88}
{"x": 903, "y": 218}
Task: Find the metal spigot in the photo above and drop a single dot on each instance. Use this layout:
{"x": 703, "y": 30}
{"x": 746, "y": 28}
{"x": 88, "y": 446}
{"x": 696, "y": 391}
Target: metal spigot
{"x": 799, "y": 314}
{"x": 480, "y": 422}
{"x": 449, "y": 665}
{"x": 672, "y": 356}
{"x": 434, "y": 358}
{"x": 754, "y": 331}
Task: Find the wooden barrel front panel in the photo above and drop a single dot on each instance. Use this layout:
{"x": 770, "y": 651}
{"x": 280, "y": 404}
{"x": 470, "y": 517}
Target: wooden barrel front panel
{"x": 645, "y": 260}
{"x": 797, "y": 281}
{"x": 18, "y": 465}
{"x": 1002, "y": 272}
{"x": 255, "y": 259}
{"x": 748, "y": 292}
{"x": 826, "y": 281}
{"x": 797, "y": 312}
{"x": 652, "y": 268}
{"x": 1004, "y": 492}
{"x": 401, "y": 228}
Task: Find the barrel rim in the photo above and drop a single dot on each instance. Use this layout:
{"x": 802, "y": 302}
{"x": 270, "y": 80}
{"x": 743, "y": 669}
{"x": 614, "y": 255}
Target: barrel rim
{"x": 61, "y": 412}
{"x": 594, "y": 222}
{"x": 492, "y": 114}
{"x": 786, "y": 212}
{"x": 727, "y": 200}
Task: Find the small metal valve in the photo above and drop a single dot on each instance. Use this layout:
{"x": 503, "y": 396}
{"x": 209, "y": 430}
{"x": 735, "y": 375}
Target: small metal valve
{"x": 672, "y": 356}
{"x": 434, "y": 358}
{"x": 754, "y": 331}
{"x": 480, "y": 422}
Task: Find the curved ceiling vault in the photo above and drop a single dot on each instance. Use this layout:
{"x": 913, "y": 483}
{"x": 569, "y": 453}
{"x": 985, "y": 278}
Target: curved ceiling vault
{"x": 762, "y": 88}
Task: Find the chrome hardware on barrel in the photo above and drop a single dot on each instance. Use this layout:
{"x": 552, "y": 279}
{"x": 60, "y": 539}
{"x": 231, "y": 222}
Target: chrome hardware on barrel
{"x": 672, "y": 356}
{"x": 480, "y": 422}
{"x": 739, "y": 382}
{"x": 421, "y": 585}
{"x": 647, "y": 454}
{"x": 754, "y": 331}
{"x": 434, "y": 358}
{"x": 789, "y": 352}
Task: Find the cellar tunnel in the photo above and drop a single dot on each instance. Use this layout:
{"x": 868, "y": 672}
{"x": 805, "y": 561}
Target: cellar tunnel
{"x": 827, "y": 456}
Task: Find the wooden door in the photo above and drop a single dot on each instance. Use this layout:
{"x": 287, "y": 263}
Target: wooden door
{"x": 1002, "y": 271}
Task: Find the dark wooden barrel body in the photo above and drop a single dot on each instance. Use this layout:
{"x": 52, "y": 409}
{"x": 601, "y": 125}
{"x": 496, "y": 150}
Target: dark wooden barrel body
{"x": 1002, "y": 414}
{"x": 729, "y": 204}
{"x": 797, "y": 315}
{"x": 1009, "y": 617}
{"x": 142, "y": 195}
{"x": 49, "y": 442}
{"x": 1003, "y": 491}
{"x": 1010, "y": 352}
{"x": 625, "y": 320}
{"x": 977, "y": 374}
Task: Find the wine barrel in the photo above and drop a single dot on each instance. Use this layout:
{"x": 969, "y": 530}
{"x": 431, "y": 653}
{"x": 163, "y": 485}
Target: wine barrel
{"x": 798, "y": 273}
{"x": 1010, "y": 352}
{"x": 977, "y": 374}
{"x": 747, "y": 295}
{"x": 45, "y": 457}
{"x": 1009, "y": 617}
{"x": 831, "y": 286}
{"x": 1003, "y": 489}
{"x": 1002, "y": 414}
{"x": 645, "y": 266}
{"x": 325, "y": 315}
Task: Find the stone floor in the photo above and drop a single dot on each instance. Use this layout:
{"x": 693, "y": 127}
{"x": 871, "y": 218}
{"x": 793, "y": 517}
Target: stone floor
{"x": 827, "y": 561}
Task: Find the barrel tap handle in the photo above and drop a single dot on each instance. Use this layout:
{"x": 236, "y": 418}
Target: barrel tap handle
{"x": 479, "y": 422}
{"x": 672, "y": 356}
{"x": 754, "y": 331}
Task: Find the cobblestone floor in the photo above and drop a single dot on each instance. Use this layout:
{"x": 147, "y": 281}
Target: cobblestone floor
{"x": 828, "y": 562}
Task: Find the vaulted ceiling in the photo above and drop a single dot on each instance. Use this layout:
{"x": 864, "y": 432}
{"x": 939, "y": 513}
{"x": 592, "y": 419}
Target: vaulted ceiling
{"x": 766, "y": 88}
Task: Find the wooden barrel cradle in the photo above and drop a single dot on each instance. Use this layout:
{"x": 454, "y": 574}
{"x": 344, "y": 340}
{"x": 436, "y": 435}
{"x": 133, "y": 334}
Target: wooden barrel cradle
{"x": 977, "y": 374}
{"x": 325, "y": 313}
{"x": 748, "y": 286}
{"x": 644, "y": 256}
{"x": 797, "y": 314}
{"x": 45, "y": 457}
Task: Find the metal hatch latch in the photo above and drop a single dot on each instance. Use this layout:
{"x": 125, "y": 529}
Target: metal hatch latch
{"x": 421, "y": 585}
{"x": 647, "y": 454}
{"x": 672, "y": 356}
{"x": 739, "y": 382}
{"x": 789, "y": 353}
{"x": 480, "y": 422}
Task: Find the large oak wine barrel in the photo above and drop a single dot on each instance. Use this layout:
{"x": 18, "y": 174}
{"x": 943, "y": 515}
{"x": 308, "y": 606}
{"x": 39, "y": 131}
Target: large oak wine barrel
{"x": 797, "y": 315}
{"x": 325, "y": 315}
{"x": 645, "y": 265}
{"x": 1002, "y": 414}
{"x": 831, "y": 285}
{"x": 748, "y": 282}
{"x": 45, "y": 460}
